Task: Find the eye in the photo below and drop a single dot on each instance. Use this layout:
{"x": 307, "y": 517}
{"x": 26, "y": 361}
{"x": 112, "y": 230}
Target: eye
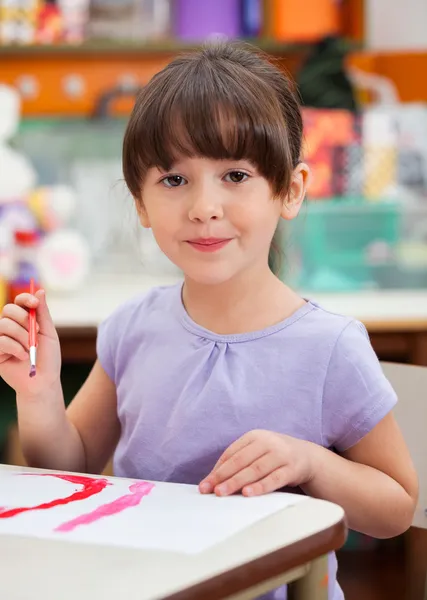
{"x": 236, "y": 176}
{"x": 173, "y": 181}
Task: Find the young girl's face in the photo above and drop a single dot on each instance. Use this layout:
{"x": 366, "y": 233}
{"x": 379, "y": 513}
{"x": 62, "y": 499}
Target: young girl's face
{"x": 215, "y": 218}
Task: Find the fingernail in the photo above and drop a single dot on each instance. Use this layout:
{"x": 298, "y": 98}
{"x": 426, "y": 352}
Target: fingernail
{"x": 249, "y": 491}
{"x": 205, "y": 487}
{"x": 221, "y": 490}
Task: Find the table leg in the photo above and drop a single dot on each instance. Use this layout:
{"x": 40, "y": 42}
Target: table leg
{"x": 416, "y": 569}
{"x": 314, "y": 585}
{"x": 416, "y": 555}
{"x": 419, "y": 349}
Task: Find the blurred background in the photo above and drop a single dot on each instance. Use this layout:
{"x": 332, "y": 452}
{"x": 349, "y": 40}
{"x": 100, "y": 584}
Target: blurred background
{"x": 69, "y": 73}
{"x": 76, "y": 65}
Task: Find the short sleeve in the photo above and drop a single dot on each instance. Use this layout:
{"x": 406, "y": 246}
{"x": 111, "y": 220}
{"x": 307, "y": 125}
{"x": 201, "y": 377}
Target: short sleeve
{"x": 357, "y": 395}
{"x": 119, "y": 332}
{"x": 105, "y": 342}
{"x": 111, "y": 334}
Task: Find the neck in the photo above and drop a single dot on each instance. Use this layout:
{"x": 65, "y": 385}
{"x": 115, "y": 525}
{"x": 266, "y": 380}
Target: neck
{"x": 248, "y": 302}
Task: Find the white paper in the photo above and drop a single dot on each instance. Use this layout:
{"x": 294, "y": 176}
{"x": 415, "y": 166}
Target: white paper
{"x": 171, "y": 517}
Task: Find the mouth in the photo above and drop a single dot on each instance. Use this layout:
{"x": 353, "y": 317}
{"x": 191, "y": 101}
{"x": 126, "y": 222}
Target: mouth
{"x": 208, "y": 244}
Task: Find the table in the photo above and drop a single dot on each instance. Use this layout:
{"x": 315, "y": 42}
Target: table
{"x": 396, "y": 320}
{"x": 289, "y": 547}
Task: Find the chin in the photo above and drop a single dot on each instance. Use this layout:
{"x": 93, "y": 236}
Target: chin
{"x": 209, "y": 275}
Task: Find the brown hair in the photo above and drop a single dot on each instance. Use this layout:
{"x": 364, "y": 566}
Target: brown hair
{"x": 226, "y": 101}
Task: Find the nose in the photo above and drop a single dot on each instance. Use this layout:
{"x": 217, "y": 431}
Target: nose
{"x": 205, "y": 205}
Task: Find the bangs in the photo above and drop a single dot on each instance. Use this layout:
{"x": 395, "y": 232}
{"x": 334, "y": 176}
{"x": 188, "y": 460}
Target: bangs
{"x": 196, "y": 108}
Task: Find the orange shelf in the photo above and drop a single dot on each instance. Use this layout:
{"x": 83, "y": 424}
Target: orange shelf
{"x": 49, "y": 76}
{"x": 69, "y": 80}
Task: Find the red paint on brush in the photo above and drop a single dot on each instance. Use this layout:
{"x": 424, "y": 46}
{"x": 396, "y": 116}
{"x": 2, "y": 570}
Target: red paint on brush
{"x": 91, "y": 486}
{"x": 137, "y": 492}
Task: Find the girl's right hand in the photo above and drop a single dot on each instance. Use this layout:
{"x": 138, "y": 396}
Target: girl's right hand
{"x": 14, "y": 347}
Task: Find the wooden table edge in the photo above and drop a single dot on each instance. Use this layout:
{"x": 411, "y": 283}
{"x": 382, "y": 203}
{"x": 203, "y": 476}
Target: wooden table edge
{"x": 395, "y": 325}
{"x": 267, "y": 567}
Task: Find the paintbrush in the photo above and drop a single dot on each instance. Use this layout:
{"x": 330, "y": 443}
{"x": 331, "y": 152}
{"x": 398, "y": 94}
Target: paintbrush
{"x": 32, "y": 334}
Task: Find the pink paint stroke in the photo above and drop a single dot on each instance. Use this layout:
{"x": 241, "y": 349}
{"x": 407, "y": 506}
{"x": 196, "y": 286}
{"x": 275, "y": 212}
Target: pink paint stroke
{"x": 138, "y": 491}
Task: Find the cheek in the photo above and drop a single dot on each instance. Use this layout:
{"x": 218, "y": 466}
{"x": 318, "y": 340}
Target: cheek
{"x": 165, "y": 226}
{"x": 258, "y": 218}
{"x": 163, "y": 216}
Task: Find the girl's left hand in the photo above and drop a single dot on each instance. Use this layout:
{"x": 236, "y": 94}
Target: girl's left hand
{"x": 261, "y": 462}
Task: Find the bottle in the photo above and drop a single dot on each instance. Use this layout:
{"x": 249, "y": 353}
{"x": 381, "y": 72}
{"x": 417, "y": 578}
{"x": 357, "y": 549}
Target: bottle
{"x": 6, "y": 241}
{"x": 24, "y": 263}
{"x": 251, "y": 18}
{"x": 3, "y": 292}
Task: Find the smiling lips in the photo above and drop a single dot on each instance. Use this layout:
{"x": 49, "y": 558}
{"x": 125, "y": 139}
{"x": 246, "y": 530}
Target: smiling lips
{"x": 209, "y": 244}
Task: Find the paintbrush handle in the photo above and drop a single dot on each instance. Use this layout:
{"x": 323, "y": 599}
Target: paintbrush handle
{"x": 32, "y": 320}
{"x": 32, "y": 330}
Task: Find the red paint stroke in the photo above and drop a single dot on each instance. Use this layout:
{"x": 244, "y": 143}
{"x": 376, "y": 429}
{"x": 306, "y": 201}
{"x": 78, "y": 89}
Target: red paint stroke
{"x": 91, "y": 486}
{"x": 138, "y": 491}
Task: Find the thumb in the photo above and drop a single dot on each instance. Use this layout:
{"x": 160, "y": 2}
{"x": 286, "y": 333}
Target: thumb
{"x": 43, "y": 316}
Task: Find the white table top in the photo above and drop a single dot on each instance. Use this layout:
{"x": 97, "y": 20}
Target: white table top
{"x": 52, "y": 570}
{"x": 102, "y": 294}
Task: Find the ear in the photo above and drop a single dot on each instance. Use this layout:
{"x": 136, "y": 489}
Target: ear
{"x": 297, "y": 191}
{"x": 142, "y": 213}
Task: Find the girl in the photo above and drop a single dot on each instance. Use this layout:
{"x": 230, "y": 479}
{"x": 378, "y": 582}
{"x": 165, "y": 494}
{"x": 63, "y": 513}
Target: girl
{"x": 231, "y": 380}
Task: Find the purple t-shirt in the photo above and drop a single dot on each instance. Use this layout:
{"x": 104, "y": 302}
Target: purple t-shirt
{"x": 185, "y": 393}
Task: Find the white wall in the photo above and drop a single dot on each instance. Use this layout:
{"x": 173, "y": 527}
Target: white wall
{"x": 396, "y": 25}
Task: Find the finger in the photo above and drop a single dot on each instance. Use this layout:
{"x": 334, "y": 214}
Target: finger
{"x": 275, "y": 480}
{"x": 44, "y": 318}
{"x": 17, "y": 314}
{"x": 38, "y": 301}
{"x": 235, "y": 464}
{"x": 256, "y": 471}
{"x": 205, "y": 485}
{"x": 26, "y": 301}
{"x": 240, "y": 443}
{"x": 12, "y": 348}
{"x": 13, "y": 330}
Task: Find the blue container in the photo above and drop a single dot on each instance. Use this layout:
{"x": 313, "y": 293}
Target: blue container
{"x": 251, "y": 17}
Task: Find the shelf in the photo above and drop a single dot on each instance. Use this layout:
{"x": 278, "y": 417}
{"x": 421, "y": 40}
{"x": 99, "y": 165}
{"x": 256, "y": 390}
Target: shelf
{"x": 70, "y": 79}
{"x": 108, "y": 47}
